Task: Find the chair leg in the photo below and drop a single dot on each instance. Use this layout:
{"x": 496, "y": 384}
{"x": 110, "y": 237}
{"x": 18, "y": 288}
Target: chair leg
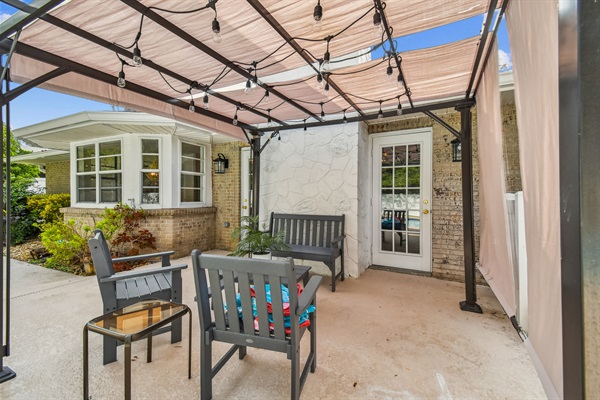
{"x": 242, "y": 352}
{"x": 110, "y": 350}
{"x": 176, "y": 331}
{"x": 343, "y": 274}
{"x": 313, "y": 338}
{"x": 296, "y": 372}
{"x": 332, "y": 268}
{"x": 205, "y": 368}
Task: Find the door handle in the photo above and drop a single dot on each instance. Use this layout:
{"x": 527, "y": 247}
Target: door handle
{"x": 245, "y": 207}
{"x": 425, "y": 211}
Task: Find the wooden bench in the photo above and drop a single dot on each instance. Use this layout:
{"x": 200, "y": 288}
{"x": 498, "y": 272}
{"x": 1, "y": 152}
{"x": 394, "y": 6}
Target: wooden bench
{"x": 312, "y": 237}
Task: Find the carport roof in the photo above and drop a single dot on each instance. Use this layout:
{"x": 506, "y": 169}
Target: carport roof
{"x": 263, "y": 39}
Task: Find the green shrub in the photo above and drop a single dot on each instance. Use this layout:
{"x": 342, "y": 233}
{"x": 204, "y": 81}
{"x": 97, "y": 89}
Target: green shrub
{"x": 21, "y": 221}
{"x": 67, "y": 242}
{"x": 46, "y": 207}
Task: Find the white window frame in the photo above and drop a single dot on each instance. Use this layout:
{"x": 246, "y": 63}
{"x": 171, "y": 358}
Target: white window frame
{"x": 97, "y": 172}
{"x": 202, "y": 175}
{"x": 143, "y": 170}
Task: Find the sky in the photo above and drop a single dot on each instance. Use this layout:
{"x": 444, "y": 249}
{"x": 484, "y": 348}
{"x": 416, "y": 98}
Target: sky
{"x": 38, "y": 105}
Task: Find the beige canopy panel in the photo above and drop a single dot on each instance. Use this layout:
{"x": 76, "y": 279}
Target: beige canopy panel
{"x": 259, "y": 39}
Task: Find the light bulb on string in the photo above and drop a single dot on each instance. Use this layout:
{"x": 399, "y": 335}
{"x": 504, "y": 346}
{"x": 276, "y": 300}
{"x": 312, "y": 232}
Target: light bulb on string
{"x": 400, "y": 82}
{"x": 205, "y": 101}
{"x": 266, "y": 97}
{"x": 380, "y": 113}
{"x": 389, "y": 73}
{"x": 216, "y": 29}
{"x": 121, "y": 79}
{"x": 399, "y": 110}
{"x": 345, "y": 120}
{"x": 326, "y": 66}
{"x": 137, "y": 56}
{"x": 377, "y": 26}
{"x": 304, "y": 125}
{"x": 269, "y": 119}
{"x": 317, "y": 17}
{"x": 322, "y": 112}
{"x": 235, "y": 117}
{"x": 320, "y": 81}
{"x": 326, "y": 89}
{"x": 248, "y": 88}
{"x": 192, "y": 106}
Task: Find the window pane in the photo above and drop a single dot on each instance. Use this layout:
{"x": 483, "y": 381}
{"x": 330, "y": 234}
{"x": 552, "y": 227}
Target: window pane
{"x": 414, "y": 154}
{"x": 414, "y": 199}
{"x": 191, "y": 165}
{"x": 414, "y": 177}
{"x": 150, "y": 196}
{"x": 110, "y": 163}
{"x": 414, "y": 244}
{"x": 149, "y": 162}
{"x": 86, "y": 181}
{"x": 86, "y": 196}
{"x": 386, "y": 157}
{"x": 400, "y": 177}
{"x": 110, "y": 195}
{"x": 86, "y": 151}
{"x": 110, "y": 148}
{"x": 110, "y": 180}
{"x": 150, "y": 146}
{"x": 191, "y": 181}
{"x": 150, "y": 179}
{"x": 387, "y": 199}
{"x": 88, "y": 165}
{"x": 400, "y": 199}
{"x": 190, "y": 150}
{"x": 414, "y": 221}
{"x": 400, "y": 155}
{"x": 387, "y": 238}
{"x": 191, "y": 195}
{"x": 386, "y": 177}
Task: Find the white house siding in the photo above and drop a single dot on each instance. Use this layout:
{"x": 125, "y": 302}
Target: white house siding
{"x": 315, "y": 172}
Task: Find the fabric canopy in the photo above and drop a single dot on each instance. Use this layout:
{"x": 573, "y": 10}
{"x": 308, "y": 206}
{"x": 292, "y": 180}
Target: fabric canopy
{"x": 88, "y": 32}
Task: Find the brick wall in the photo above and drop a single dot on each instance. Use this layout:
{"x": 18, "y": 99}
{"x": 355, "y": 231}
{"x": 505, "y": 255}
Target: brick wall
{"x": 226, "y": 193}
{"x": 177, "y": 229}
{"x": 510, "y": 139}
{"x": 446, "y": 202}
{"x": 58, "y": 177}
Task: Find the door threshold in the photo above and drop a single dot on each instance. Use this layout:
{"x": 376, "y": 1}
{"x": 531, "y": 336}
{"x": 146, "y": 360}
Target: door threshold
{"x": 400, "y": 270}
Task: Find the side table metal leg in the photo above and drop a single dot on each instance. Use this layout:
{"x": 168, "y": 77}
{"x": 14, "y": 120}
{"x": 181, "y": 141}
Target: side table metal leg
{"x": 149, "y": 351}
{"x": 86, "y": 388}
{"x": 190, "y": 346}
{"x": 128, "y": 368}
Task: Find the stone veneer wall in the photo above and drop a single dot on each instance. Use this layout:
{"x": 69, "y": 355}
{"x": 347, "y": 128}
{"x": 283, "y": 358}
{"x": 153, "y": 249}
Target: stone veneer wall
{"x": 177, "y": 229}
{"x": 446, "y": 202}
{"x": 315, "y": 172}
{"x": 58, "y": 177}
{"x": 226, "y": 193}
{"x": 510, "y": 143}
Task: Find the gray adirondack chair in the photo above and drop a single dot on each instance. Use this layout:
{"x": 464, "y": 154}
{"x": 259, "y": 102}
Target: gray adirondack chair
{"x": 215, "y": 278}
{"x": 122, "y": 289}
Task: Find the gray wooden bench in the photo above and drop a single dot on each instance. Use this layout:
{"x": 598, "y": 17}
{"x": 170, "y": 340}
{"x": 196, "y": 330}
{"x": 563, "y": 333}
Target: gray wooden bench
{"x": 312, "y": 237}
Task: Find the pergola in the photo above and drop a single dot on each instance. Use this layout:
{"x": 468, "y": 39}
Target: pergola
{"x": 254, "y": 68}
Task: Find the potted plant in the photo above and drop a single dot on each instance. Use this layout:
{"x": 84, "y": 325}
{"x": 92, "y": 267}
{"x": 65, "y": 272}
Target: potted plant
{"x": 254, "y": 242}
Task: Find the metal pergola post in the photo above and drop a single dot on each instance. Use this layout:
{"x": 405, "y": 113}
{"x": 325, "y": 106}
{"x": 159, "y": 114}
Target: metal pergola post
{"x": 466, "y": 122}
{"x": 255, "y": 144}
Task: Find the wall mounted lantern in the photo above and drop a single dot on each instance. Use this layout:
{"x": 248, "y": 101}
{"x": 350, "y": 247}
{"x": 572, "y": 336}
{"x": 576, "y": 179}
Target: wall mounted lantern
{"x": 456, "y": 150}
{"x": 220, "y": 164}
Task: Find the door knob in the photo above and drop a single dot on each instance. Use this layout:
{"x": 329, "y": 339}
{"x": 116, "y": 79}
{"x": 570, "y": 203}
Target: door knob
{"x": 245, "y": 207}
{"x": 425, "y": 211}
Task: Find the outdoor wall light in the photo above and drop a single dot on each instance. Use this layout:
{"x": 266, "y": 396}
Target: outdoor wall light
{"x": 456, "y": 150}
{"x": 220, "y": 164}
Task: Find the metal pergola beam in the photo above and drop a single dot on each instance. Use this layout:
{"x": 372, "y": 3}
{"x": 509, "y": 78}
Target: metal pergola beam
{"x": 128, "y": 54}
{"x": 14, "y": 93}
{"x": 266, "y": 15}
{"x": 482, "y": 41}
{"x": 368, "y": 117}
{"x": 58, "y": 61}
{"x": 443, "y": 123}
{"x": 390, "y": 39}
{"x": 22, "y": 18}
{"x": 148, "y": 13}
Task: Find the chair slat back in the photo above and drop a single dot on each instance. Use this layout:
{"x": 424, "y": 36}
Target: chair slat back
{"x": 252, "y": 274}
{"x": 101, "y": 255}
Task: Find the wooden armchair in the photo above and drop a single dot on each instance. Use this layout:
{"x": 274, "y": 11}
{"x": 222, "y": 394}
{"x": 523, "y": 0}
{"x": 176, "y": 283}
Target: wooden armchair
{"x": 216, "y": 277}
{"x": 122, "y": 289}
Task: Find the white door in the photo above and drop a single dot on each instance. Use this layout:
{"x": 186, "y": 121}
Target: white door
{"x": 402, "y": 199}
{"x": 246, "y": 178}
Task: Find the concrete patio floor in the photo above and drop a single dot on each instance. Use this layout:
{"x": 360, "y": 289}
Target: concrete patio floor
{"x": 382, "y": 336}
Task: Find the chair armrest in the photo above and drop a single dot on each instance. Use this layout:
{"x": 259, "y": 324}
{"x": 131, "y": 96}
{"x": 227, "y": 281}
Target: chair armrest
{"x": 165, "y": 255}
{"x": 137, "y": 274}
{"x": 309, "y": 293}
{"x": 338, "y": 238}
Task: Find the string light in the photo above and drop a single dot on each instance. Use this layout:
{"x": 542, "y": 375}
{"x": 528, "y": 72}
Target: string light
{"x": 235, "y": 117}
{"x": 137, "y": 56}
{"x": 322, "y": 112}
{"x": 345, "y": 120}
{"x": 304, "y": 125}
{"x": 121, "y": 80}
{"x": 377, "y": 26}
{"x": 318, "y": 16}
{"x": 320, "y": 81}
{"x": 192, "y": 106}
{"x": 399, "y": 111}
{"x": 266, "y": 99}
{"x": 326, "y": 66}
{"x": 400, "y": 82}
{"x": 205, "y": 101}
{"x": 380, "y": 114}
{"x": 269, "y": 120}
{"x": 390, "y": 71}
{"x": 216, "y": 28}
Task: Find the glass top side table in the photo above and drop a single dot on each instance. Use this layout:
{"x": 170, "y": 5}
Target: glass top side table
{"x": 131, "y": 323}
